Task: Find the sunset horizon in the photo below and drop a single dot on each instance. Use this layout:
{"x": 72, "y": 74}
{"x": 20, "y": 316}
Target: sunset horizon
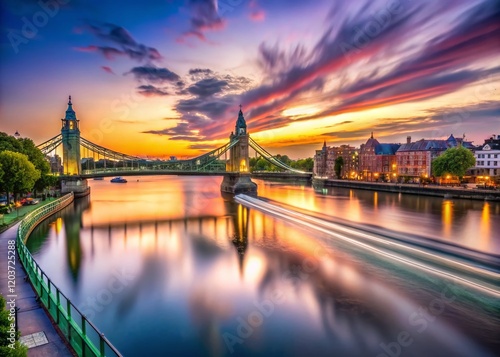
{"x": 167, "y": 79}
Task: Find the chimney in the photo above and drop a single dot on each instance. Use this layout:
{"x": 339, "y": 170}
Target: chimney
{"x": 408, "y": 139}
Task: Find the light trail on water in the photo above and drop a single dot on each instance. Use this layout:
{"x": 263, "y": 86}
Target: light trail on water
{"x": 340, "y": 232}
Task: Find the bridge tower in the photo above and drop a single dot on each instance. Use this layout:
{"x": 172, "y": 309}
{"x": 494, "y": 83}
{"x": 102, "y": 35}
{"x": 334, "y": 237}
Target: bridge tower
{"x": 237, "y": 180}
{"x": 72, "y": 167}
{"x": 70, "y": 132}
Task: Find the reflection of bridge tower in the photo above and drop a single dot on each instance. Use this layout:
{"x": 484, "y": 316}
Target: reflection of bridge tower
{"x": 71, "y": 142}
{"x": 240, "y": 237}
{"x": 72, "y": 227}
{"x": 238, "y": 178}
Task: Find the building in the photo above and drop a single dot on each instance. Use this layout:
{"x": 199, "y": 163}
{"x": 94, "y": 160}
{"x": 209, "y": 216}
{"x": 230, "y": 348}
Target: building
{"x": 319, "y": 167}
{"x": 487, "y": 167}
{"x": 324, "y": 161}
{"x": 414, "y": 159}
{"x": 377, "y": 161}
{"x": 55, "y": 164}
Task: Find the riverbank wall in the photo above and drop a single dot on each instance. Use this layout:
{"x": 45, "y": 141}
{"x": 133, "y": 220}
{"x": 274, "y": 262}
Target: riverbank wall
{"x": 414, "y": 189}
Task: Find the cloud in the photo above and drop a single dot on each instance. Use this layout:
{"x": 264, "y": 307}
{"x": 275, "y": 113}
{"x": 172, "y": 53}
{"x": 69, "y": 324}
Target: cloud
{"x": 256, "y": 13}
{"x": 355, "y": 65}
{"x": 155, "y": 74}
{"x": 202, "y": 71}
{"x": 120, "y": 37}
{"x": 207, "y": 87}
{"x": 107, "y": 69}
{"x": 181, "y": 131}
{"x": 109, "y": 52}
{"x": 204, "y": 17}
{"x": 440, "y": 66}
{"x": 151, "y": 91}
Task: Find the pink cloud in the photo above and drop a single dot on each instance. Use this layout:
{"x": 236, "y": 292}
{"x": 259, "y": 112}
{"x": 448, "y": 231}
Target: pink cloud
{"x": 258, "y": 15}
{"x": 107, "y": 69}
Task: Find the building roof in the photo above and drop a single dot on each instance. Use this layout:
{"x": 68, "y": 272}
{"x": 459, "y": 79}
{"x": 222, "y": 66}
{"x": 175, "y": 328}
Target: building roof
{"x": 490, "y": 146}
{"x": 386, "y": 149}
{"x": 371, "y": 142}
{"x": 425, "y": 145}
{"x": 436, "y": 145}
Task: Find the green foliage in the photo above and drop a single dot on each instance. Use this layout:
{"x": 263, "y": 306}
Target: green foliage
{"x": 303, "y": 164}
{"x": 261, "y": 164}
{"x": 339, "y": 163}
{"x": 35, "y": 156}
{"x": 8, "y": 142}
{"x": 454, "y": 161}
{"x": 20, "y": 174}
{"x": 5, "y": 325}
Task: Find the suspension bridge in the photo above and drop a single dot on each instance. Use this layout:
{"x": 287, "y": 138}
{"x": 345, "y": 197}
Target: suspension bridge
{"x": 83, "y": 159}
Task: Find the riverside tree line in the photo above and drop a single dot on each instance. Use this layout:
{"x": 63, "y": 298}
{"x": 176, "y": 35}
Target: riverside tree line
{"x": 23, "y": 167}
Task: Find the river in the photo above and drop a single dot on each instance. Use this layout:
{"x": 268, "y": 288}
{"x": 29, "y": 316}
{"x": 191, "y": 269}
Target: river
{"x": 166, "y": 266}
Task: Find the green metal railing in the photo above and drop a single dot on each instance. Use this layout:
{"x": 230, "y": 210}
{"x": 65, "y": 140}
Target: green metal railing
{"x": 79, "y": 332}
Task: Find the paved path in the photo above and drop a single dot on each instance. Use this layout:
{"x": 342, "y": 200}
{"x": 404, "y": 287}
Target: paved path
{"x": 31, "y": 317}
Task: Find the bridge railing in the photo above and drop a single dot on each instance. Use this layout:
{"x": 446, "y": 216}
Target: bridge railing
{"x": 79, "y": 332}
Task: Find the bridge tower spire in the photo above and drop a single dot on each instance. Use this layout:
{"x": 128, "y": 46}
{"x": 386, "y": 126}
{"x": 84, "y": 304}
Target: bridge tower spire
{"x": 70, "y": 132}
{"x": 238, "y": 166}
{"x": 238, "y": 154}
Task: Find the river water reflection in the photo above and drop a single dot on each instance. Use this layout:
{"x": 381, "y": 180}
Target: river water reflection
{"x": 165, "y": 266}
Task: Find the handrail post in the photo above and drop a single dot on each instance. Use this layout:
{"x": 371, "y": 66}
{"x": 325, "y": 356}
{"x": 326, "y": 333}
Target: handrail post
{"x": 68, "y": 313}
{"x": 58, "y": 302}
{"x": 102, "y": 349}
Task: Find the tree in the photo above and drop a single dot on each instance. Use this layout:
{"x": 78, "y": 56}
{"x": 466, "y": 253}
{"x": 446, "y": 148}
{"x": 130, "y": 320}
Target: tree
{"x": 454, "y": 161}
{"x": 339, "y": 163}
{"x": 8, "y": 142}
{"x": 38, "y": 159}
{"x": 20, "y": 174}
{"x": 35, "y": 156}
{"x": 5, "y": 335}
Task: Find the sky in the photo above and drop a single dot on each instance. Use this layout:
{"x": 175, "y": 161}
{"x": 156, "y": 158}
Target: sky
{"x": 160, "y": 78}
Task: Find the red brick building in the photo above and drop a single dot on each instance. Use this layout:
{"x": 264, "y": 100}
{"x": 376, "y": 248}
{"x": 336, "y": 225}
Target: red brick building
{"x": 377, "y": 161}
{"x": 415, "y": 159}
{"x": 324, "y": 161}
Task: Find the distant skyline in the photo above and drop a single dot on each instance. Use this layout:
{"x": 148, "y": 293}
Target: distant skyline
{"x": 166, "y": 77}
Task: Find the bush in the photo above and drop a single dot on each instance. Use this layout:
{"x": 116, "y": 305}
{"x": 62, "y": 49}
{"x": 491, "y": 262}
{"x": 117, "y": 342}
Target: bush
{"x": 7, "y": 348}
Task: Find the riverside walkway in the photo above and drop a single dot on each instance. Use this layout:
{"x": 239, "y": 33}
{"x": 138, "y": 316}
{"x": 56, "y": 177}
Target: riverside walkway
{"x": 37, "y": 330}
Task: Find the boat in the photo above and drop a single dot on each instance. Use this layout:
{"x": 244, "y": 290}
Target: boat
{"x": 99, "y": 178}
{"x": 118, "y": 179}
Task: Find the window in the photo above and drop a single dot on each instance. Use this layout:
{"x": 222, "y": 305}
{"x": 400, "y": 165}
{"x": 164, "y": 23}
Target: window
{"x": 489, "y": 156}
{"x": 495, "y": 163}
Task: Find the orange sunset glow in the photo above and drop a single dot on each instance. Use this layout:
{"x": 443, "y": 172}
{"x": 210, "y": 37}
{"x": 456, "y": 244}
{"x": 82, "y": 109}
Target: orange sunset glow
{"x": 167, "y": 79}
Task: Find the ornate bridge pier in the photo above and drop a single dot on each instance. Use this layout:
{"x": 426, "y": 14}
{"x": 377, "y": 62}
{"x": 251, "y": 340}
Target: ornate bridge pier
{"x": 70, "y": 134}
{"x": 237, "y": 179}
